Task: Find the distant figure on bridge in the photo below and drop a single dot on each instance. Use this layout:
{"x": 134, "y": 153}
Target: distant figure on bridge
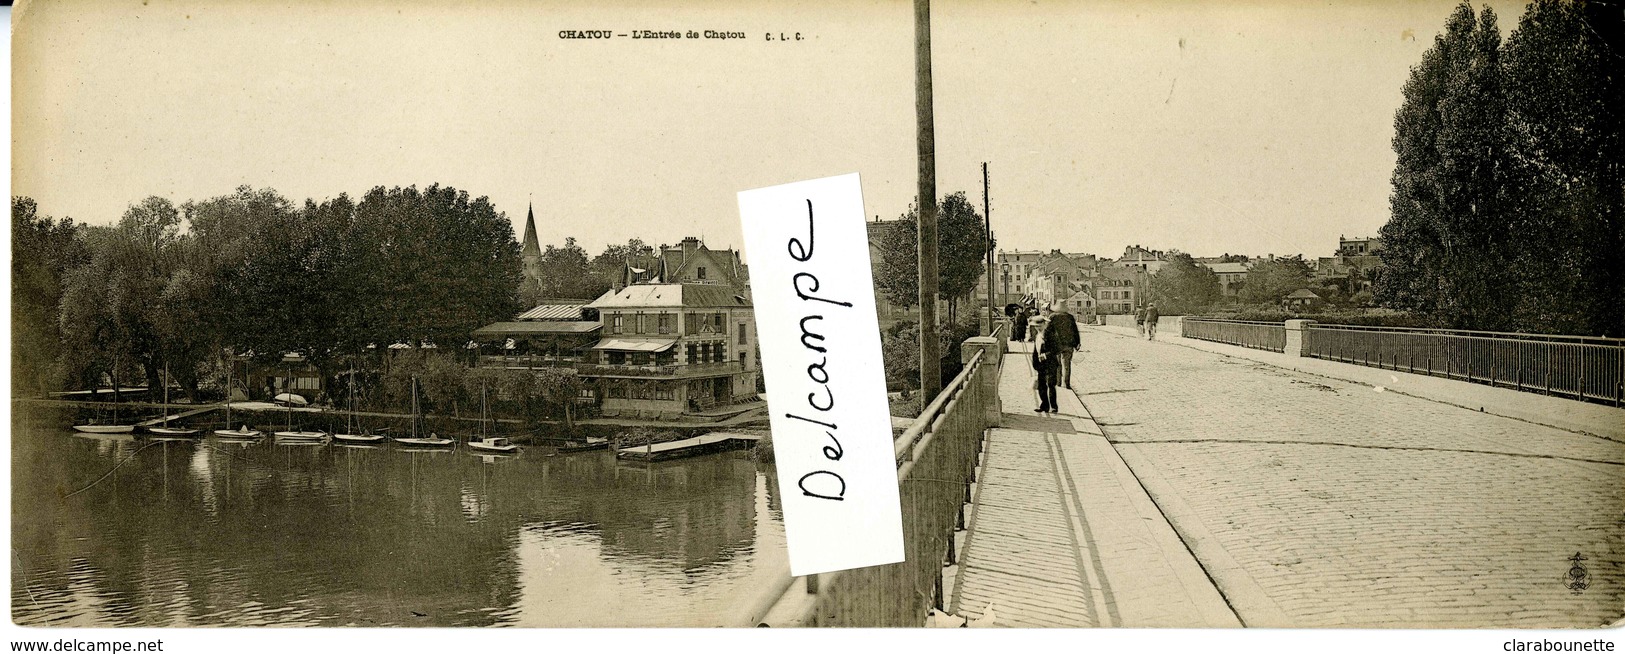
{"x": 1139, "y": 318}
{"x": 1063, "y": 329}
{"x": 1020, "y": 331}
{"x": 1151, "y": 321}
{"x": 1046, "y": 361}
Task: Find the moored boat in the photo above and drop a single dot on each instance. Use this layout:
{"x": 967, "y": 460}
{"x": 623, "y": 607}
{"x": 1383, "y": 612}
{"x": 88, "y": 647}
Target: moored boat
{"x": 432, "y": 440}
{"x": 240, "y": 434}
{"x": 497, "y": 445}
{"x": 105, "y": 429}
{"x": 593, "y": 443}
{"x": 165, "y": 430}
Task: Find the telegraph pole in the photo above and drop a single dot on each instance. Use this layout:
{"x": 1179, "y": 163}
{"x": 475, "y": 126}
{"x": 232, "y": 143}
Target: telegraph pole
{"x": 987, "y": 216}
{"x": 925, "y": 146}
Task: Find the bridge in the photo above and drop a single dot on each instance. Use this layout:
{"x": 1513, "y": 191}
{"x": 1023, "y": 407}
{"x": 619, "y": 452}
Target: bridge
{"x": 1262, "y": 475}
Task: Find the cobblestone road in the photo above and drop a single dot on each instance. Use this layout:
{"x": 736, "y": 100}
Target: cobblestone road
{"x": 1316, "y": 502}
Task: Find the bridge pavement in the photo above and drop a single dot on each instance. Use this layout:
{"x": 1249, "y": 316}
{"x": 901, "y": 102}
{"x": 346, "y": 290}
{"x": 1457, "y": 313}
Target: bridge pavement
{"x": 1314, "y": 501}
{"x": 1061, "y": 534}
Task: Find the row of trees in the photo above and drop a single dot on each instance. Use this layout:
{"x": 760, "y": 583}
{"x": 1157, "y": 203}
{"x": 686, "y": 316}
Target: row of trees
{"x": 1507, "y": 196}
{"x": 176, "y": 288}
{"x": 1182, "y": 286}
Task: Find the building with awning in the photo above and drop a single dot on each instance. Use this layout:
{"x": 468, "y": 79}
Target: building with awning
{"x": 556, "y": 332}
{"x": 666, "y": 349}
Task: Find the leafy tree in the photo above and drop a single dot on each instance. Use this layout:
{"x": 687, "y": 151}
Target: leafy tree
{"x": 961, "y": 254}
{"x": 43, "y": 251}
{"x": 1564, "y": 102}
{"x": 606, "y": 267}
{"x": 1444, "y": 247}
{"x": 1270, "y": 281}
{"x": 567, "y": 273}
{"x": 1182, "y": 286}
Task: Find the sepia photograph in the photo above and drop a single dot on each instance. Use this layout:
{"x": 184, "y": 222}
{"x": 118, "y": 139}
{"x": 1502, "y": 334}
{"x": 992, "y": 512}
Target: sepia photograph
{"x": 1247, "y": 313}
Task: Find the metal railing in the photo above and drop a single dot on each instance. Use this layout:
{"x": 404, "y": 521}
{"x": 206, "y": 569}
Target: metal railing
{"x": 1246, "y": 333}
{"x": 1579, "y": 367}
{"x": 936, "y": 463}
{"x": 612, "y": 370}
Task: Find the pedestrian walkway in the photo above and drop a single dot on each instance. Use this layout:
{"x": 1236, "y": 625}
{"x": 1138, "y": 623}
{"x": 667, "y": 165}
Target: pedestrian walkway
{"x": 1061, "y": 534}
{"x": 1321, "y": 499}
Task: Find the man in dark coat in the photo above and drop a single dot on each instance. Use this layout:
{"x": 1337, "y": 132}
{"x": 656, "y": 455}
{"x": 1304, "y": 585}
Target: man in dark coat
{"x": 1063, "y": 329}
{"x": 1020, "y": 331}
{"x": 1046, "y": 362}
{"x": 1151, "y": 321}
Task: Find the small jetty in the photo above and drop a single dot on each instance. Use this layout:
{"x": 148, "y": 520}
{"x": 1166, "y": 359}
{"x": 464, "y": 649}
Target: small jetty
{"x": 178, "y": 416}
{"x": 707, "y": 444}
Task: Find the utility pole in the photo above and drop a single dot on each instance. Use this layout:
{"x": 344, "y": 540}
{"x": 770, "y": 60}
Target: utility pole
{"x": 987, "y": 216}
{"x": 926, "y": 147}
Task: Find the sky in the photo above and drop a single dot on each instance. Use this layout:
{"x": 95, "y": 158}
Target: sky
{"x": 1254, "y": 126}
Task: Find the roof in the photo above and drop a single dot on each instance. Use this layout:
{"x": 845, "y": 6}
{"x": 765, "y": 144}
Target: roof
{"x": 1226, "y": 268}
{"x": 633, "y": 345}
{"x": 555, "y": 310}
{"x": 1303, "y": 293}
{"x": 673, "y": 295}
{"x": 531, "y": 246}
{"x": 538, "y": 327}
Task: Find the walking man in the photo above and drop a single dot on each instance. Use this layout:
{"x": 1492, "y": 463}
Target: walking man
{"x": 1151, "y": 321}
{"x": 1139, "y": 318}
{"x": 1046, "y": 363}
{"x": 1020, "y": 331}
{"x": 1063, "y": 328}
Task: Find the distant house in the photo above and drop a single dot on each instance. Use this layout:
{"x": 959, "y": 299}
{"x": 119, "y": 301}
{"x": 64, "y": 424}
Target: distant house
{"x": 1232, "y": 276}
{"x": 1303, "y": 298}
{"x": 1117, "y": 290}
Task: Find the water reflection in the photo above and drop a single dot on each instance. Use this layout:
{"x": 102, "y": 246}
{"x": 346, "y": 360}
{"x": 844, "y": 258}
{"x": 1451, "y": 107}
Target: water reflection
{"x": 111, "y": 530}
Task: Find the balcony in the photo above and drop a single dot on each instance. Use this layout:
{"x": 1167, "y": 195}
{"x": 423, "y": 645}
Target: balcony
{"x": 713, "y": 369}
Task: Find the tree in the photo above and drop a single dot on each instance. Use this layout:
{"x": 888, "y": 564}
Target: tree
{"x": 1444, "y": 248}
{"x": 1270, "y": 281}
{"x": 43, "y": 251}
{"x": 1564, "y": 104}
{"x": 961, "y": 254}
{"x": 1182, "y": 286}
{"x": 566, "y": 272}
{"x": 607, "y": 266}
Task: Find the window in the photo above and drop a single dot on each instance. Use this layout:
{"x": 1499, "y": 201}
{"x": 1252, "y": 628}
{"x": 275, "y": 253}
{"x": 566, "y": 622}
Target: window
{"x": 665, "y": 323}
{"x": 640, "y": 358}
{"x": 705, "y": 352}
{"x": 721, "y": 353}
{"x": 664, "y": 393}
{"x": 615, "y": 323}
{"x": 617, "y": 358}
{"x": 700, "y": 271}
{"x": 638, "y": 325}
{"x": 693, "y": 350}
{"x": 742, "y": 339}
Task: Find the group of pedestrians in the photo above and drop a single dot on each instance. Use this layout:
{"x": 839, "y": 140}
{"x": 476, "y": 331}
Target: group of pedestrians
{"x": 1146, "y": 320}
{"x": 1054, "y": 335}
{"x": 1055, "y": 341}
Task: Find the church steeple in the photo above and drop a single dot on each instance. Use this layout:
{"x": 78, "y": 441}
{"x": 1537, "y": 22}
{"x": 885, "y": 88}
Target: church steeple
{"x": 531, "y": 254}
{"x": 531, "y": 247}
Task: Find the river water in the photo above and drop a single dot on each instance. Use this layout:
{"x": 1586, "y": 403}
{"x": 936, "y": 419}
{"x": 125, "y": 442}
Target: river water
{"x": 120, "y": 531}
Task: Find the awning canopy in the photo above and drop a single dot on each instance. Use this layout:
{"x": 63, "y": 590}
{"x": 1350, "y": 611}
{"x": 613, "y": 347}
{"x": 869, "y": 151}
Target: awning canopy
{"x": 628, "y": 345}
{"x": 527, "y": 328}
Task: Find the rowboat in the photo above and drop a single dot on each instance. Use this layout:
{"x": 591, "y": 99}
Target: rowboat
{"x": 589, "y": 444}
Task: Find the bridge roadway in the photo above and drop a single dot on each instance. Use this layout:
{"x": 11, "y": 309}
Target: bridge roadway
{"x": 1199, "y": 484}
